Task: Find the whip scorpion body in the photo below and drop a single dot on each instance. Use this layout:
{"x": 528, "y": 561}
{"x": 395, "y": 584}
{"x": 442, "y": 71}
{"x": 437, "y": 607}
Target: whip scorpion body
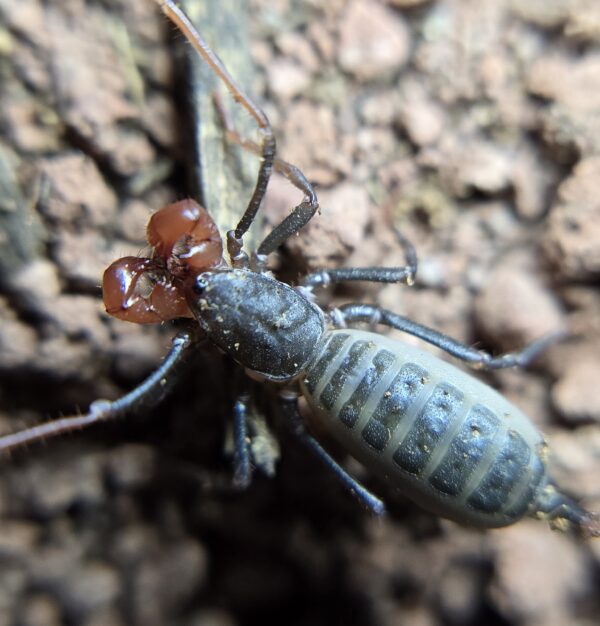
{"x": 442, "y": 437}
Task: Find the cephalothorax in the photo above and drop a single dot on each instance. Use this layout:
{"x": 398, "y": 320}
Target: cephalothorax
{"x": 444, "y": 438}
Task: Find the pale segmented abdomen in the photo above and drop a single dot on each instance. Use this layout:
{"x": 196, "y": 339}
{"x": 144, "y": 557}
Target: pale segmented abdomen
{"x": 448, "y": 441}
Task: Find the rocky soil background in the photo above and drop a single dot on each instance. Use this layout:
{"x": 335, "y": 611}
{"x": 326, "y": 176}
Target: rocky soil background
{"x": 474, "y": 127}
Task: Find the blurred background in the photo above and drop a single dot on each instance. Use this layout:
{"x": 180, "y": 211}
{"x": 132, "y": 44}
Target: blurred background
{"x": 474, "y": 127}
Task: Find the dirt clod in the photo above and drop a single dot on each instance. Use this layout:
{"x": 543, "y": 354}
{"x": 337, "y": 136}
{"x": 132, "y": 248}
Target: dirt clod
{"x": 374, "y": 42}
{"x": 572, "y": 239}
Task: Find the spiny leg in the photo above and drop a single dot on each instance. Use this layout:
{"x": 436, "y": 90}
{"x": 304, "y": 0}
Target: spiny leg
{"x": 301, "y": 214}
{"x": 150, "y": 392}
{"x": 373, "y": 314}
{"x": 267, "y": 144}
{"x": 289, "y": 408}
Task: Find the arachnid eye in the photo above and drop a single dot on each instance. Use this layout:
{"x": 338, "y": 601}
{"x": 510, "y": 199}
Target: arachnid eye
{"x": 200, "y": 285}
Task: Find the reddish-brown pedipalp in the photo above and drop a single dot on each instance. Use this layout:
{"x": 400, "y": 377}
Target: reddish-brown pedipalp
{"x": 185, "y": 241}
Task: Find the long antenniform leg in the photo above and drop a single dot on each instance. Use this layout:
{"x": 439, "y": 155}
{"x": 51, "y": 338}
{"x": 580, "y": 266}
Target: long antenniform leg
{"x": 372, "y": 314}
{"x": 301, "y": 214}
{"x": 267, "y": 149}
{"x": 148, "y": 393}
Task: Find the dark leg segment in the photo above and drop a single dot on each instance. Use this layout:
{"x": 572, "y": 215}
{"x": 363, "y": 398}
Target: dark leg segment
{"x": 298, "y": 218}
{"x": 301, "y": 214}
{"x": 267, "y": 145}
{"x": 254, "y": 446}
{"x": 264, "y": 174}
{"x": 289, "y": 408}
{"x": 242, "y": 474}
{"x": 368, "y": 274}
{"x": 148, "y": 393}
{"x": 372, "y": 314}
{"x": 404, "y": 274}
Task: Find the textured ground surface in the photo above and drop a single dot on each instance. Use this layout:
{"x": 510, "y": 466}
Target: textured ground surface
{"x": 475, "y": 127}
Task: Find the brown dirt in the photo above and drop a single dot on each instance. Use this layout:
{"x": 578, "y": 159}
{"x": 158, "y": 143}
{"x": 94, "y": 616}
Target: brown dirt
{"x": 475, "y": 127}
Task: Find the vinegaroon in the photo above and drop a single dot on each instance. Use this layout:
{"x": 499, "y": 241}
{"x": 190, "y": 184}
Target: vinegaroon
{"x": 447, "y": 440}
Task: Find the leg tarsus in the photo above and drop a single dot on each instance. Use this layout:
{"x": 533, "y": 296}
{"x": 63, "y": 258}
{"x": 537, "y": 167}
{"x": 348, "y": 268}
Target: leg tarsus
{"x": 524, "y": 357}
{"x": 289, "y": 406}
{"x": 369, "y": 313}
{"x": 149, "y": 392}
